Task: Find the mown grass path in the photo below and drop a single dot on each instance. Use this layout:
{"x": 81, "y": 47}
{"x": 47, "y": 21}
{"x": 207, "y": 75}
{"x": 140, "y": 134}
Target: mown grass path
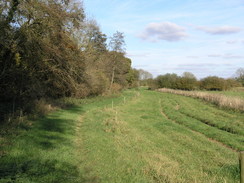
{"x": 130, "y": 138}
{"x": 134, "y": 142}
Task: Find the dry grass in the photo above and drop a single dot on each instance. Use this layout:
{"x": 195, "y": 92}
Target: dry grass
{"x": 220, "y": 100}
{"x": 161, "y": 168}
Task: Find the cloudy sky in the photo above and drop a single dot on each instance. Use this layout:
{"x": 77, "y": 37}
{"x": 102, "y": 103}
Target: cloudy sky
{"x": 205, "y": 37}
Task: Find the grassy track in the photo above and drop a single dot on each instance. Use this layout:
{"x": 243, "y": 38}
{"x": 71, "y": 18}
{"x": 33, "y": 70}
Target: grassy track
{"x": 140, "y": 136}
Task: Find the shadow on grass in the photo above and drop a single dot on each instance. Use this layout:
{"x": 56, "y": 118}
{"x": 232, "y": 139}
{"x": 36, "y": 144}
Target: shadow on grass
{"x": 31, "y": 169}
{"x": 37, "y": 154}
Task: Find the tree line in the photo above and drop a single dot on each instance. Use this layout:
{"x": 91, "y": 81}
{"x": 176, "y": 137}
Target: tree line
{"x": 189, "y": 82}
{"x": 49, "y": 49}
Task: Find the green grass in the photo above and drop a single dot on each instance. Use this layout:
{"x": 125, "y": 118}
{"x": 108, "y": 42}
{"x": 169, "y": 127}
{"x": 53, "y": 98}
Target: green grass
{"x": 139, "y": 136}
{"x": 224, "y": 126}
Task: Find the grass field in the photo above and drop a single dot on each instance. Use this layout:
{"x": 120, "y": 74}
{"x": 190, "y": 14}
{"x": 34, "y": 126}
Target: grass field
{"x": 139, "y": 136}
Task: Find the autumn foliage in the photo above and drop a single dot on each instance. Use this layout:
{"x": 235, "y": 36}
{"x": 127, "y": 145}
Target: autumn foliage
{"x": 48, "y": 49}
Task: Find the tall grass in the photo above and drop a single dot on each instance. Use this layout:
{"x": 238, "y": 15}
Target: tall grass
{"x": 220, "y": 100}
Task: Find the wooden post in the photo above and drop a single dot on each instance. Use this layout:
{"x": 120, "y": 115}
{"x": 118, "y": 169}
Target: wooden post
{"x": 116, "y": 116}
{"x": 124, "y": 100}
{"x": 241, "y": 159}
{"x": 112, "y": 104}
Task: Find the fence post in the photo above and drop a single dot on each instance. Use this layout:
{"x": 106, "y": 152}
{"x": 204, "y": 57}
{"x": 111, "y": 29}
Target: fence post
{"x": 241, "y": 160}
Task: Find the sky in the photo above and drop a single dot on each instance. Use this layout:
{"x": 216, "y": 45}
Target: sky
{"x": 204, "y": 37}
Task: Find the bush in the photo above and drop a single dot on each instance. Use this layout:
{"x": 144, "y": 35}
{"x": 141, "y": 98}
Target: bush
{"x": 213, "y": 83}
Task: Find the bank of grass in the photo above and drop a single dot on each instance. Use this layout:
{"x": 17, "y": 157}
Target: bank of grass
{"x": 224, "y": 126}
{"x": 229, "y": 101}
{"x": 127, "y": 138}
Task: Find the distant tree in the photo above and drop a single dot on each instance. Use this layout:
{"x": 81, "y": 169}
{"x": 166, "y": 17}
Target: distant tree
{"x": 231, "y": 83}
{"x": 133, "y": 78}
{"x": 187, "y": 82}
{"x": 152, "y": 84}
{"x": 240, "y": 75}
{"x": 144, "y": 75}
{"x": 91, "y": 38}
{"x": 117, "y": 42}
{"x": 189, "y": 75}
{"x": 117, "y": 48}
{"x": 213, "y": 83}
{"x": 168, "y": 81}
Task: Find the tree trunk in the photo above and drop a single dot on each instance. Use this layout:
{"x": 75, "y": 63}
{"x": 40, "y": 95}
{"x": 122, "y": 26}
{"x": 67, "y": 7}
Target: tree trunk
{"x": 113, "y": 73}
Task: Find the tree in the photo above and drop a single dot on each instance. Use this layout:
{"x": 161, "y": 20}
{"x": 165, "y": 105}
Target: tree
{"x": 168, "y": 81}
{"x": 240, "y": 75}
{"x": 38, "y": 58}
{"x": 231, "y": 83}
{"x": 213, "y": 83}
{"x": 144, "y": 75}
{"x": 48, "y": 50}
{"x": 91, "y": 39}
{"x": 133, "y": 78}
{"x": 189, "y": 75}
{"x": 187, "y": 82}
{"x": 117, "y": 49}
{"x": 117, "y": 42}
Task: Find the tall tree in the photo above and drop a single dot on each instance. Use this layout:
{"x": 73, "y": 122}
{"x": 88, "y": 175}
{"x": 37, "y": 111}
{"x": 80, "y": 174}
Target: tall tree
{"x": 144, "y": 75}
{"x": 117, "y": 48}
{"x": 240, "y": 75}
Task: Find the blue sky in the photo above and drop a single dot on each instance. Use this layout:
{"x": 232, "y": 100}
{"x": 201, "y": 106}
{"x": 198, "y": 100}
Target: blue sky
{"x": 205, "y": 37}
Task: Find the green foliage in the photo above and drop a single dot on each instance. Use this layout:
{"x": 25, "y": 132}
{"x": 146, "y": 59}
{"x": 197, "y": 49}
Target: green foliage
{"x": 240, "y": 75}
{"x": 48, "y": 50}
{"x": 213, "y": 83}
{"x": 189, "y": 82}
{"x": 168, "y": 81}
{"x": 133, "y": 78}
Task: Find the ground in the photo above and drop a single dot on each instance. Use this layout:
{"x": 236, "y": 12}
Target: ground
{"x": 138, "y": 136}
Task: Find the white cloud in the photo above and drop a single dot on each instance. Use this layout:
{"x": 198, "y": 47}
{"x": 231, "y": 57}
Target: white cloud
{"x": 226, "y": 56}
{"x": 214, "y": 55}
{"x": 232, "y": 42}
{"x": 219, "y": 30}
{"x": 166, "y": 31}
{"x": 230, "y": 56}
{"x": 193, "y": 57}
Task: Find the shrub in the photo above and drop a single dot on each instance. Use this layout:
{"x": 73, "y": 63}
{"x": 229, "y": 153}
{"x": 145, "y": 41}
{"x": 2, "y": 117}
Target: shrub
{"x": 213, "y": 83}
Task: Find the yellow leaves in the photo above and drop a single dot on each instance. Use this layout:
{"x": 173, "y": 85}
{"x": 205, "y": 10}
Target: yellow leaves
{"x": 17, "y": 59}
